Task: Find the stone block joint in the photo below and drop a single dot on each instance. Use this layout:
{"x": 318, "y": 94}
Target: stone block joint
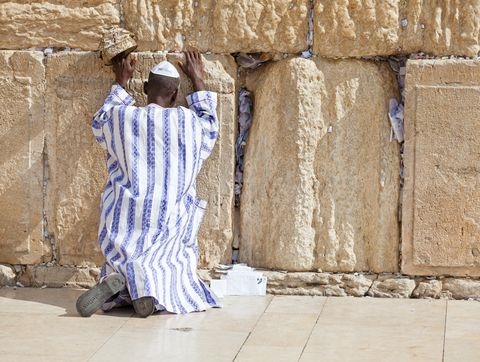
{"x": 48, "y": 235}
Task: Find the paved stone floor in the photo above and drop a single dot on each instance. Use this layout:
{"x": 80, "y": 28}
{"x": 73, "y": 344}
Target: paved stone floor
{"x": 42, "y": 325}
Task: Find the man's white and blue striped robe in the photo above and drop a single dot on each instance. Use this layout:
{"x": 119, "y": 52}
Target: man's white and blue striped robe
{"x": 150, "y": 213}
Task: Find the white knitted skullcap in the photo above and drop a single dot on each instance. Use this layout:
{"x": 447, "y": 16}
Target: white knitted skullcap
{"x": 165, "y": 68}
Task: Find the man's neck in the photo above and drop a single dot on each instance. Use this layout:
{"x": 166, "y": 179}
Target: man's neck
{"x": 160, "y": 102}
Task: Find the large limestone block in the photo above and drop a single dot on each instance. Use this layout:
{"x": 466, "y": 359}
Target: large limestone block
{"x": 39, "y": 276}
{"x": 22, "y": 77}
{"x": 224, "y": 26}
{"x": 442, "y": 27}
{"x": 54, "y": 23}
{"x": 353, "y": 28}
{"x": 314, "y": 199}
{"x": 441, "y": 217}
{"x": 381, "y": 27}
{"x": 77, "y": 86}
{"x": 215, "y": 184}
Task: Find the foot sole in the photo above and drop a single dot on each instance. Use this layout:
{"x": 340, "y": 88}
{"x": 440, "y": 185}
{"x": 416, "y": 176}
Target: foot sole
{"x": 92, "y": 300}
{"x": 144, "y": 306}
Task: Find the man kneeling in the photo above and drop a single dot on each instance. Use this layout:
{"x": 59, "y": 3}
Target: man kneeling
{"x": 150, "y": 213}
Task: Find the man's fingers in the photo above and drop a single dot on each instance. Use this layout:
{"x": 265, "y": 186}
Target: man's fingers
{"x": 182, "y": 66}
{"x": 133, "y": 59}
{"x": 188, "y": 56}
{"x": 197, "y": 57}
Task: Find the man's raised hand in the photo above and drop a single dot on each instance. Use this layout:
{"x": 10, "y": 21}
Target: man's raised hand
{"x": 193, "y": 68}
{"x": 124, "y": 68}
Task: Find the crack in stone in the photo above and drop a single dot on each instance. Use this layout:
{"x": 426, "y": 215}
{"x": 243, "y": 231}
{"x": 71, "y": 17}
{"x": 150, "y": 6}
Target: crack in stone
{"x": 47, "y": 235}
{"x": 310, "y": 33}
{"x": 371, "y": 285}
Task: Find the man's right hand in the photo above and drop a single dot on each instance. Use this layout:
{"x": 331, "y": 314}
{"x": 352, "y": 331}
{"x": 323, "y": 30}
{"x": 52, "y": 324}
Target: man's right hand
{"x": 193, "y": 68}
{"x": 124, "y": 68}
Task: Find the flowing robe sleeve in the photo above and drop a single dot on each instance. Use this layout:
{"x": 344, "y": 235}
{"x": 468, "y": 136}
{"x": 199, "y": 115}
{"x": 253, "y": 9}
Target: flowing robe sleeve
{"x": 118, "y": 97}
{"x": 204, "y": 105}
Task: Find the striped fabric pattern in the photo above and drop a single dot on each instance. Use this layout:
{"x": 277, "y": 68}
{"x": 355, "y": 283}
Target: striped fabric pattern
{"x": 150, "y": 213}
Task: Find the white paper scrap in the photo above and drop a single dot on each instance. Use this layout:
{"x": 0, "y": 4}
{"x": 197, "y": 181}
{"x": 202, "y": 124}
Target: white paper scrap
{"x": 240, "y": 280}
{"x": 219, "y": 287}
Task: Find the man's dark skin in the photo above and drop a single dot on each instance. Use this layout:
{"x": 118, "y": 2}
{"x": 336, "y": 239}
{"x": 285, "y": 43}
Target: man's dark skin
{"x": 162, "y": 90}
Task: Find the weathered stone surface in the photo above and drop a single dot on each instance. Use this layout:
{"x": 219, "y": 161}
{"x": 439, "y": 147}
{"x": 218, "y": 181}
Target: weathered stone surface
{"x": 313, "y": 199}
{"x": 301, "y": 279}
{"x": 441, "y": 218}
{"x": 7, "y": 276}
{"x": 304, "y": 283}
{"x": 22, "y": 77}
{"x": 428, "y": 289}
{"x": 77, "y": 163}
{"x": 59, "y": 276}
{"x": 77, "y": 84}
{"x": 215, "y": 182}
{"x": 357, "y": 284}
{"x": 54, "y": 23}
{"x": 353, "y": 28}
{"x": 275, "y": 278}
{"x": 349, "y": 28}
{"x": 224, "y": 26}
{"x": 389, "y": 287}
{"x": 462, "y": 288}
{"x": 360, "y": 285}
{"x": 298, "y": 291}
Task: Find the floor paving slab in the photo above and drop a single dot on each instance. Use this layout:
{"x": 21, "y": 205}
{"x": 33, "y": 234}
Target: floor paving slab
{"x": 239, "y": 314}
{"x": 371, "y": 329}
{"x": 170, "y": 345}
{"x": 269, "y": 354}
{"x": 462, "y": 335}
{"x": 296, "y": 304}
{"x": 38, "y": 336}
{"x": 42, "y": 325}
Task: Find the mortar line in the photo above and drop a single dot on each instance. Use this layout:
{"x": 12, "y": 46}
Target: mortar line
{"x": 311, "y": 331}
{"x": 255, "y": 326}
{"x": 310, "y": 26}
{"x": 121, "y": 14}
{"x": 46, "y": 173}
{"x": 371, "y": 285}
{"x": 445, "y": 331}
{"x": 109, "y": 338}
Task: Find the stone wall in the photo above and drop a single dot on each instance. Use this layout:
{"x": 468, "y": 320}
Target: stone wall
{"x": 22, "y": 128}
{"x": 323, "y": 190}
{"x": 348, "y": 28}
{"x": 315, "y": 199}
{"x": 441, "y": 222}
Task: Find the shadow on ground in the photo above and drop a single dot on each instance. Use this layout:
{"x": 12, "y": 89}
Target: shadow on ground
{"x": 63, "y": 298}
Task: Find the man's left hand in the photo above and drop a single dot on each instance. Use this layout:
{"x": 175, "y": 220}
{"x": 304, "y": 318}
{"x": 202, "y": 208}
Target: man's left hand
{"x": 124, "y": 68}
